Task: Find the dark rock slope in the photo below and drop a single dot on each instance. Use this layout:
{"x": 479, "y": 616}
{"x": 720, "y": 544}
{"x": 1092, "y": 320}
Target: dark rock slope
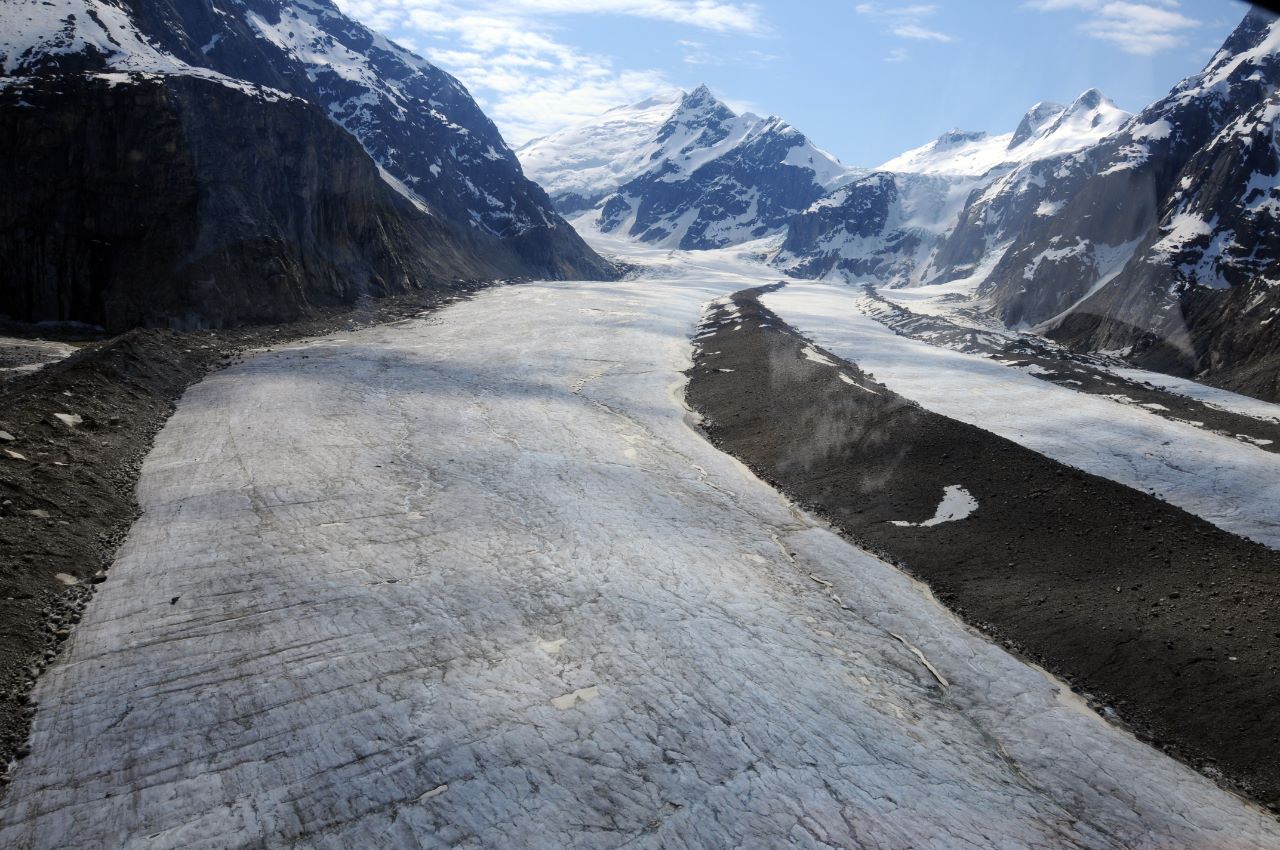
{"x": 142, "y": 182}
{"x": 169, "y": 202}
{"x": 416, "y": 121}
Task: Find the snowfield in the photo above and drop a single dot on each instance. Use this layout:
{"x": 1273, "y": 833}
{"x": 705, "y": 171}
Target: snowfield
{"x": 1232, "y": 485}
{"x": 595, "y": 157}
{"x": 1047, "y": 130}
{"x": 475, "y": 580}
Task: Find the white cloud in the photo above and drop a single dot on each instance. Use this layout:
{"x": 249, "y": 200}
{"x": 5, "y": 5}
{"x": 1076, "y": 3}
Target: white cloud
{"x": 897, "y": 54}
{"x": 917, "y": 31}
{"x": 905, "y": 21}
{"x": 1059, "y": 5}
{"x": 699, "y": 53}
{"x": 696, "y": 53}
{"x": 706, "y": 14}
{"x": 511, "y": 57}
{"x": 1140, "y": 28}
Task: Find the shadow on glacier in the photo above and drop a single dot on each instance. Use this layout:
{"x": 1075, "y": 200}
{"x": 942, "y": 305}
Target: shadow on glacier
{"x": 401, "y": 369}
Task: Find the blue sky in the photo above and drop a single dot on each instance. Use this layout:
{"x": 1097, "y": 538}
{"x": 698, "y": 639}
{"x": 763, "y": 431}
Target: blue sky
{"x": 863, "y": 80}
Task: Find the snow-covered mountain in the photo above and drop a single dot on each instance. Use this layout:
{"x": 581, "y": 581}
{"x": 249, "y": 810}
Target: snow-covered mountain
{"x": 580, "y": 165}
{"x": 685, "y": 172}
{"x": 882, "y": 228}
{"x": 1153, "y": 235}
{"x": 442, "y": 177}
{"x": 1160, "y": 241}
{"x": 102, "y": 38}
{"x": 889, "y": 227}
{"x": 1048, "y": 129}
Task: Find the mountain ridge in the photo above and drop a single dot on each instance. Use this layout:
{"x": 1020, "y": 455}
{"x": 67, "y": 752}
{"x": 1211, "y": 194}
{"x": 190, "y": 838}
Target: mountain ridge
{"x": 1189, "y": 295}
{"x": 1141, "y": 235}
{"x": 694, "y": 173}
{"x": 1152, "y": 241}
{"x": 383, "y": 217}
{"x": 892, "y": 226}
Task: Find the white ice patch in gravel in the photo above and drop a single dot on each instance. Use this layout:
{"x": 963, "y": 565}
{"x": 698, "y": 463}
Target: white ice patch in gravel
{"x": 811, "y": 353}
{"x": 851, "y": 382}
{"x": 957, "y": 504}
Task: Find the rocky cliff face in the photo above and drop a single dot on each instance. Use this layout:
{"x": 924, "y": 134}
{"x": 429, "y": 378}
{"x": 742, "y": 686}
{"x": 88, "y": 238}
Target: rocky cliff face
{"x": 1201, "y": 294}
{"x": 182, "y": 202}
{"x": 418, "y": 123}
{"x": 1159, "y": 241}
{"x": 193, "y": 163}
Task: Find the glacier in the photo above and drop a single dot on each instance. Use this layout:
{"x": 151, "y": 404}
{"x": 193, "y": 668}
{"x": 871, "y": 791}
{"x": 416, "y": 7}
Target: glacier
{"x": 475, "y": 579}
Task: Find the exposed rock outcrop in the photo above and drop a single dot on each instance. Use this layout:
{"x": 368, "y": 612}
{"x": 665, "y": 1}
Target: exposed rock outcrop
{"x": 186, "y": 203}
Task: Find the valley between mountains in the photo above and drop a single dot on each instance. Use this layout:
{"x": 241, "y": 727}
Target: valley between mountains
{"x": 663, "y": 482}
{"x": 394, "y": 588}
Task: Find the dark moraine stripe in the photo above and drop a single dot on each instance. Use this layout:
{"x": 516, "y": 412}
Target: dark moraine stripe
{"x": 1152, "y": 612}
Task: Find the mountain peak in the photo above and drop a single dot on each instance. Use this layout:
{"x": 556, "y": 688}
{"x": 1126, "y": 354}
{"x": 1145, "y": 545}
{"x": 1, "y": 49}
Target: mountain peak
{"x": 700, "y": 100}
{"x": 1088, "y": 100}
{"x": 1037, "y": 117}
{"x": 1052, "y": 127}
{"x": 1249, "y": 55}
{"x": 956, "y": 136}
{"x": 699, "y": 115}
{"x": 1047, "y": 129}
{"x": 1251, "y": 32}
{"x": 691, "y": 174}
